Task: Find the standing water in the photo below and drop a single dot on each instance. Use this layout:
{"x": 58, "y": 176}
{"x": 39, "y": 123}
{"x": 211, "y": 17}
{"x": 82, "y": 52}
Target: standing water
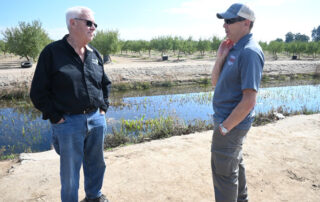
{"x": 23, "y": 130}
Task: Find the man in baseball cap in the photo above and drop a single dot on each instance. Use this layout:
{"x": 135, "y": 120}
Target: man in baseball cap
{"x": 236, "y": 76}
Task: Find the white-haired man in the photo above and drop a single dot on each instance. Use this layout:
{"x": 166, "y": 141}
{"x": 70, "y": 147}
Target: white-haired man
{"x": 236, "y": 76}
{"x": 71, "y": 89}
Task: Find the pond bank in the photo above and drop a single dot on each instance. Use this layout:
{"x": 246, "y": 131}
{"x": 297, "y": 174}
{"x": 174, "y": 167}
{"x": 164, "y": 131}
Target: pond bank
{"x": 142, "y": 75}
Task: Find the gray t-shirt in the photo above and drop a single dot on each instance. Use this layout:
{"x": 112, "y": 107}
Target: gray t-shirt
{"x": 242, "y": 70}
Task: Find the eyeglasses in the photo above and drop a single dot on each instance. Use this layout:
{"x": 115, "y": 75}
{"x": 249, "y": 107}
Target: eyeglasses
{"x": 233, "y": 20}
{"x": 89, "y": 23}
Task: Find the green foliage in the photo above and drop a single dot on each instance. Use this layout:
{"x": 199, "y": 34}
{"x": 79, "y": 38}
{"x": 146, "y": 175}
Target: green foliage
{"x": 141, "y": 130}
{"x": 292, "y": 48}
{"x": 2, "y": 46}
{"x": 27, "y": 40}
{"x": 301, "y": 37}
{"x": 106, "y": 42}
{"x": 316, "y": 34}
{"x": 263, "y": 45}
{"x": 189, "y": 46}
{"x": 215, "y": 43}
{"x": 124, "y": 46}
{"x": 147, "y": 46}
{"x": 275, "y": 47}
{"x": 301, "y": 47}
{"x": 296, "y": 47}
{"x": 138, "y": 46}
{"x": 176, "y": 43}
{"x": 162, "y": 44}
{"x": 289, "y": 37}
{"x": 203, "y": 46}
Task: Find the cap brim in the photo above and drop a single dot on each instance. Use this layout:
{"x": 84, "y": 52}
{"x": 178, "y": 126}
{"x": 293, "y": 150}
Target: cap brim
{"x": 226, "y": 15}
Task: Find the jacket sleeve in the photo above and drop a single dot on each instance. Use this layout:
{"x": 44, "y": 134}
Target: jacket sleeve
{"x": 40, "y": 92}
{"x": 106, "y": 86}
{"x": 106, "y": 83}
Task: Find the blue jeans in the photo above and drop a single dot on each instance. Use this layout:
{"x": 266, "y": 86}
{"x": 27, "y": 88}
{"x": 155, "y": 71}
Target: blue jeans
{"x": 80, "y": 140}
{"x": 228, "y": 171}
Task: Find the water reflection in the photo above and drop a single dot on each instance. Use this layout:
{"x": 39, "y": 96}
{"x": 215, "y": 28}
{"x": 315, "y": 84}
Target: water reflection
{"x": 289, "y": 99}
{"x": 22, "y": 129}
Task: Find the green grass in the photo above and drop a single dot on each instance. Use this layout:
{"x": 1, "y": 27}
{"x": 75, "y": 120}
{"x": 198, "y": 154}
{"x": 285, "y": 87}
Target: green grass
{"x": 9, "y": 156}
{"x": 141, "y": 130}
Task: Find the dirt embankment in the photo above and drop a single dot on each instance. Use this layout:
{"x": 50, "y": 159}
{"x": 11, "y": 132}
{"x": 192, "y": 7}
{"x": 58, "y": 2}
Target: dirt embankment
{"x": 132, "y": 70}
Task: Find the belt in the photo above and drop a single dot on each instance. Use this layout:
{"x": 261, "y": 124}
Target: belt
{"x": 85, "y": 111}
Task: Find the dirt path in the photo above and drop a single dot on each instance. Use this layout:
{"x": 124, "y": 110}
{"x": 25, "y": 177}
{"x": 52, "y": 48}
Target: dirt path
{"x": 282, "y": 161}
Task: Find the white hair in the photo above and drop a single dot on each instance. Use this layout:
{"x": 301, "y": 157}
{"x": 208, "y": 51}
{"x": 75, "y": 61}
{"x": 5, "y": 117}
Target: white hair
{"x": 76, "y": 12}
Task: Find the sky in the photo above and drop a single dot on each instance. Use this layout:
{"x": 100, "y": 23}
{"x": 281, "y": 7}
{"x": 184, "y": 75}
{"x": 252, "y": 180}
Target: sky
{"x": 147, "y": 19}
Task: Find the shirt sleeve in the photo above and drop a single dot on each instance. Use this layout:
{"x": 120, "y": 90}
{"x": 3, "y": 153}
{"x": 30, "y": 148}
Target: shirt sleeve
{"x": 251, "y": 67}
{"x": 106, "y": 85}
{"x": 41, "y": 88}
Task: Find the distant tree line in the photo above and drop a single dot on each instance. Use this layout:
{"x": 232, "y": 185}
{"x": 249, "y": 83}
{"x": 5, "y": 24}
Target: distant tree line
{"x": 28, "y": 39}
{"x": 177, "y": 45}
{"x": 295, "y": 44}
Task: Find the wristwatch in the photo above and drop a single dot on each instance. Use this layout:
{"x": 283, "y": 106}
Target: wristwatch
{"x": 223, "y": 129}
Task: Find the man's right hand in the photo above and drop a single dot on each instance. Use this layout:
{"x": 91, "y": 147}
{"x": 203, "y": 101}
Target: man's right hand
{"x": 222, "y": 54}
{"x": 224, "y": 48}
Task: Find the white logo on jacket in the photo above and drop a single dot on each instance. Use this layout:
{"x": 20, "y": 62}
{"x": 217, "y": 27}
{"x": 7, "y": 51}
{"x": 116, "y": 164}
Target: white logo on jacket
{"x": 95, "y": 61}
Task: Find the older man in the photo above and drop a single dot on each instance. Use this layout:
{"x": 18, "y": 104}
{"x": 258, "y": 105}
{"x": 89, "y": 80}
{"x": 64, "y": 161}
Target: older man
{"x": 236, "y": 76}
{"x": 70, "y": 88}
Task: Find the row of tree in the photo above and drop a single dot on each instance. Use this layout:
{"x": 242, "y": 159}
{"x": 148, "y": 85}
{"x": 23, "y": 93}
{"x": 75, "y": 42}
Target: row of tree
{"x": 108, "y": 42}
{"x": 28, "y": 39}
{"x": 295, "y": 44}
{"x": 294, "y": 48}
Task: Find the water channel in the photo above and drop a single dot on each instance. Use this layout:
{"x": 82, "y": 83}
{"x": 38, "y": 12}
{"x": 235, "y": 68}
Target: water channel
{"x": 23, "y": 130}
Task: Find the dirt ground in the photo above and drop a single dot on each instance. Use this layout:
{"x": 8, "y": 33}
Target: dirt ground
{"x": 282, "y": 162}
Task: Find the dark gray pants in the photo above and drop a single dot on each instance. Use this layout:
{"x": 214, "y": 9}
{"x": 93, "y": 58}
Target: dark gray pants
{"x": 227, "y": 166}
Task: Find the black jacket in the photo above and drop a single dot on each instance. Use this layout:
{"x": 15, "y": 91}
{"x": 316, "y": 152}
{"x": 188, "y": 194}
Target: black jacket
{"x": 62, "y": 83}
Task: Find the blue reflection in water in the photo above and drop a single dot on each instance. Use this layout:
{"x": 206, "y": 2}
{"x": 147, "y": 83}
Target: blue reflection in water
{"x": 20, "y": 131}
{"x": 289, "y": 98}
{"x": 185, "y": 106}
